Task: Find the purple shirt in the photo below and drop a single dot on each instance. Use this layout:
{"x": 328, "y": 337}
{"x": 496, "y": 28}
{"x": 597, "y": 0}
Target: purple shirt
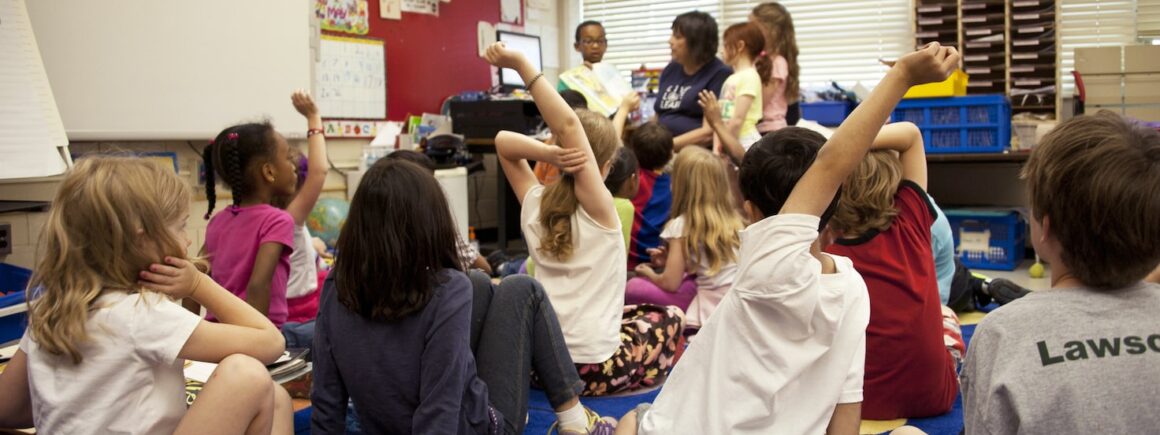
{"x": 232, "y": 239}
{"x": 676, "y": 105}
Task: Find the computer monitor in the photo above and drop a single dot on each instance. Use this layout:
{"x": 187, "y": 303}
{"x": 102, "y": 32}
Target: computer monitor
{"x": 529, "y": 45}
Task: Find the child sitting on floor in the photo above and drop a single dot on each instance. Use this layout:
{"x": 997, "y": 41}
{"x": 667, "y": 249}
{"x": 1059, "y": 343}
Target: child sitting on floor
{"x": 883, "y": 224}
{"x": 653, "y": 145}
{"x": 701, "y": 240}
{"x": 784, "y": 352}
{"x": 574, "y": 234}
{"x": 417, "y": 345}
{"x": 106, "y": 339}
{"x": 1083, "y": 357}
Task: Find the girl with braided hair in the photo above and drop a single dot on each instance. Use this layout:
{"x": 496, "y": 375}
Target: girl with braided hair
{"x": 249, "y": 242}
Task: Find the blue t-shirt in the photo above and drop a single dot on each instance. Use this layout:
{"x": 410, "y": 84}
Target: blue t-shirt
{"x": 676, "y": 105}
{"x": 942, "y": 241}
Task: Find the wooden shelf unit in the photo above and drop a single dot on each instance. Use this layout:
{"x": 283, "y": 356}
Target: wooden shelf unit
{"x": 1009, "y": 47}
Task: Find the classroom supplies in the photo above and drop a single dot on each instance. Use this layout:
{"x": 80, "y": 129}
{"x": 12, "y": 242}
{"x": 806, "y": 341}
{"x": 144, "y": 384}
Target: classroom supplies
{"x": 352, "y": 78}
{"x": 32, "y": 137}
{"x": 347, "y": 16}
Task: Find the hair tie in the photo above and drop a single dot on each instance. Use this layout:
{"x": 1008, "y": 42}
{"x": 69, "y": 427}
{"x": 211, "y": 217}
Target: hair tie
{"x": 232, "y": 136}
{"x": 211, "y": 141}
{"x": 762, "y": 54}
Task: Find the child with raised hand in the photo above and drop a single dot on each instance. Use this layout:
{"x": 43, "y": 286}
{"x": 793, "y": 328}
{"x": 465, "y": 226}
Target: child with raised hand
{"x": 1083, "y": 357}
{"x": 702, "y": 239}
{"x": 418, "y": 346}
{"x": 302, "y": 284}
{"x": 883, "y": 225}
{"x": 249, "y": 243}
{"x": 734, "y": 117}
{"x": 574, "y": 235}
{"x": 785, "y": 347}
{"x": 106, "y": 341}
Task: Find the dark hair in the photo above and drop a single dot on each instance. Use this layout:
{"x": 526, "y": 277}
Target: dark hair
{"x": 397, "y": 238}
{"x": 754, "y": 40}
{"x": 415, "y": 157}
{"x": 581, "y": 26}
{"x": 774, "y": 164}
{"x": 1097, "y": 177}
{"x": 574, "y": 99}
{"x": 653, "y": 145}
{"x": 700, "y": 32}
{"x": 624, "y": 166}
{"x": 231, "y": 155}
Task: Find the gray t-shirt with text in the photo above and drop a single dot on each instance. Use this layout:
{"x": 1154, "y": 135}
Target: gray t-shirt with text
{"x": 1066, "y": 361}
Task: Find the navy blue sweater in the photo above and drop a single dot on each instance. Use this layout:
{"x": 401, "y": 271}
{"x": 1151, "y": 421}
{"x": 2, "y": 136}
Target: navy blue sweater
{"x": 416, "y": 375}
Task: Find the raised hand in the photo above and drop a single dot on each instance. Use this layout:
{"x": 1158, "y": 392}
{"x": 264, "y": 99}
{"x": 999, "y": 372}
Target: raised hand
{"x": 499, "y": 55}
{"x": 712, "y": 108}
{"x": 933, "y": 63}
{"x": 630, "y": 102}
{"x": 304, "y": 103}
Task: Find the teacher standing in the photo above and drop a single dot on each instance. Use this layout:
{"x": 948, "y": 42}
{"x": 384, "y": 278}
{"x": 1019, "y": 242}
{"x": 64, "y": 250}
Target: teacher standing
{"x": 694, "y": 68}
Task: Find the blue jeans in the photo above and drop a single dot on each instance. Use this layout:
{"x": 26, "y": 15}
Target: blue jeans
{"x": 514, "y": 329}
{"x": 298, "y": 335}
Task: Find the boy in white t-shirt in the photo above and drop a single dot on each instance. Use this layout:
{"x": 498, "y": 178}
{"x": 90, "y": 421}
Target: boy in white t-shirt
{"x": 785, "y": 352}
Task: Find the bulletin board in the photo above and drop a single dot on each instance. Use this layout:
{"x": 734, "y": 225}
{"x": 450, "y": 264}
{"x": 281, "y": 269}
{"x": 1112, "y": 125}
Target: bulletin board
{"x": 351, "y": 78}
{"x": 429, "y": 58}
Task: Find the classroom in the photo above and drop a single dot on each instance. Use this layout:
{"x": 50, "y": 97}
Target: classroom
{"x": 580, "y": 217}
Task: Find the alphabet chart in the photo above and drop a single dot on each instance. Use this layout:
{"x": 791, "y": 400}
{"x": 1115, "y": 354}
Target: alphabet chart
{"x": 352, "y": 78}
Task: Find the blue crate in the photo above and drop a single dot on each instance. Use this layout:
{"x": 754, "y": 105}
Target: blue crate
{"x": 13, "y": 280}
{"x": 828, "y": 113}
{"x": 970, "y": 124}
{"x": 994, "y": 239}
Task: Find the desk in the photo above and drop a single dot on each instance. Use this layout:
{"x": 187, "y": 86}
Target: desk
{"x": 508, "y": 205}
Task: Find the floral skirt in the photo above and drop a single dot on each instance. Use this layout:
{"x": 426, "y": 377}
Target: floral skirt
{"x": 651, "y": 339}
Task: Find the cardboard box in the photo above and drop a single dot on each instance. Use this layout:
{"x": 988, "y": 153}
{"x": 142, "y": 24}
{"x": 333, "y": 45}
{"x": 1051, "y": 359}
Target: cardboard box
{"x": 1142, "y": 88}
{"x": 1142, "y": 58}
{"x": 1098, "y": 60}
{"x": 1103, "y": 90}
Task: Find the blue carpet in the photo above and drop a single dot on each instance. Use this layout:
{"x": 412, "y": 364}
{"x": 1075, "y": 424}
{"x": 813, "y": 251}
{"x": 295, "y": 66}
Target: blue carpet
{"x": 541, "y": 417}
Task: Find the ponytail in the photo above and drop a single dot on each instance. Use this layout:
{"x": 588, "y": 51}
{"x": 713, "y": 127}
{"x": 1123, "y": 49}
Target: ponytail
{"x": 556, "y": 209}
{"x": 764, "y": 67}
{"x": 210, "y": 194}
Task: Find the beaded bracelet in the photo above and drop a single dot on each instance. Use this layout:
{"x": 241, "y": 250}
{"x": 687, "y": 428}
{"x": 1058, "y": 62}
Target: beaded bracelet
{"x": 314, "y": 131}
{"x": 537, "y": 77}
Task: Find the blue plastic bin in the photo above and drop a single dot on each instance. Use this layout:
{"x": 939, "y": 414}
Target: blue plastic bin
{"x": 988, "y": 239}
{"x": 828, "y": 113}
{"x": 970, "y": 124}
{"x": 13, "y": 280}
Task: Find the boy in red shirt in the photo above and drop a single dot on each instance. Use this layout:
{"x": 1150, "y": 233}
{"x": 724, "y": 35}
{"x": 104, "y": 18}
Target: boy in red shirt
{"x": 884, "y": 220}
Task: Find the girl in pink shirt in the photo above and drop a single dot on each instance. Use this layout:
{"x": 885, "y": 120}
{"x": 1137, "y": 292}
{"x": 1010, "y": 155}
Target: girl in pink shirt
{"x": 781, "y": 47}
{"x": 249, "y": 243}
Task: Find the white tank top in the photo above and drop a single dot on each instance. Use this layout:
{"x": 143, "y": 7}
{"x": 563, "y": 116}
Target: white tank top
{"x": 303, "y": 265}
{"x": 587, "y": 289}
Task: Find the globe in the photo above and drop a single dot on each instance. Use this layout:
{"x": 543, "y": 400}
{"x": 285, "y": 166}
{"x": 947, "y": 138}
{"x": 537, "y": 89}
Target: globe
{"x": 326, "y": 220}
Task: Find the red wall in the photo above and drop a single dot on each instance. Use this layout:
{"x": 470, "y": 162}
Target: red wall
{"x": 430, "y": 58}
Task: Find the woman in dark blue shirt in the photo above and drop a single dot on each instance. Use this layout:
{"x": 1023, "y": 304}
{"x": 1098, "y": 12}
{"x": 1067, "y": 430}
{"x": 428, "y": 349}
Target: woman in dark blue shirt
{"x": 417, "y": 345}
{"x": 694, "y": 68}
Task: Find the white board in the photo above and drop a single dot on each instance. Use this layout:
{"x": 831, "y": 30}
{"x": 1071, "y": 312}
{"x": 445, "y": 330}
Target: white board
{"x": 32, "y": 137}
{"x": 164, "y": 70}
{"x": 352, "y": 78}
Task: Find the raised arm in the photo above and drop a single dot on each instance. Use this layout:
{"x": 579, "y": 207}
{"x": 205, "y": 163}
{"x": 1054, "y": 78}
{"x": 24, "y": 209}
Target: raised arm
{"x": 905, "y": 138}
{"x": 630, "y": 103}
{"x": 849, "y": 144}
{"x": 565, "y": 126}
{"x": 730, "y": 144}
{"x": 311, "y": 188}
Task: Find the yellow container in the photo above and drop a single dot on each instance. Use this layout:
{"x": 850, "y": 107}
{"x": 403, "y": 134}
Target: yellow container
{"x": 953, "y": 86}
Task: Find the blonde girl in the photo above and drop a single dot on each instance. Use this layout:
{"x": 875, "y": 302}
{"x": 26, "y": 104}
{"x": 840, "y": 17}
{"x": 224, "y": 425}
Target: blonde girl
{"x": 107, "y": 340}
{"x": 702, "y": 237}
{"x": 574, "y": 235}
{"x": 734, "y": 118}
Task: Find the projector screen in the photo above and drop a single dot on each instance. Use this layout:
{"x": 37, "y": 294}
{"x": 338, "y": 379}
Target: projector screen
{"x": 175, "y": 70}
{"x": 529, "y": 45}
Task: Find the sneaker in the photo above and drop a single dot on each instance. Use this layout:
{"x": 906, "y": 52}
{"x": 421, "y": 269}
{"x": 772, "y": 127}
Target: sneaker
{"x": 1004, "y": 291}
{"x": 597, "y": 425}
